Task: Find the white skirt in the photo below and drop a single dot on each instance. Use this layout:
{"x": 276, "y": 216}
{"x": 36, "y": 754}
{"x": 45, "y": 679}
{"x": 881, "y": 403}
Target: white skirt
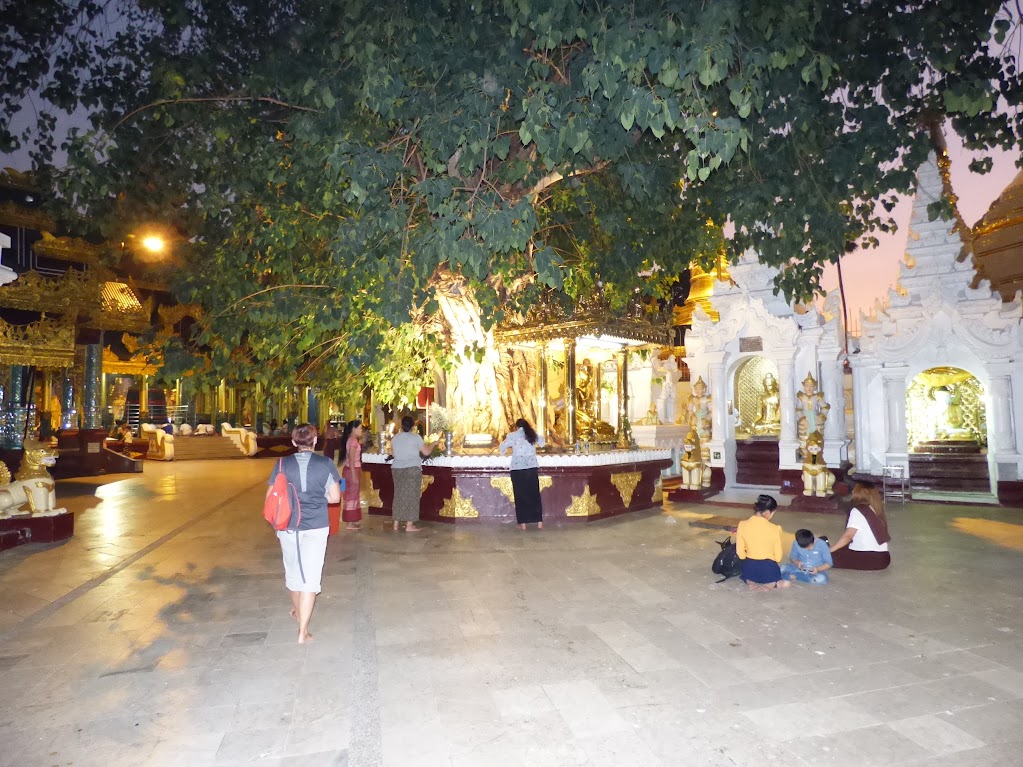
{"x": 313, "y": 546}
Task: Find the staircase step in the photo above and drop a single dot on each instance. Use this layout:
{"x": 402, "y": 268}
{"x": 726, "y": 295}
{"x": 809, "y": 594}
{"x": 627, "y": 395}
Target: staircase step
{"x": 949, "y": 472}
{"x": 757, "y": 462}
{"x": 205, "y": 448}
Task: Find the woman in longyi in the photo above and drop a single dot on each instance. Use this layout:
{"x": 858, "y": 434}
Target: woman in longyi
{"x": 351, "y": 444}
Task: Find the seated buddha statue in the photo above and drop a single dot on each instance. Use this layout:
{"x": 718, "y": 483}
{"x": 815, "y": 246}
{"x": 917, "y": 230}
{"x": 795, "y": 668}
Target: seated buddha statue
{"x": 768, "y": 420}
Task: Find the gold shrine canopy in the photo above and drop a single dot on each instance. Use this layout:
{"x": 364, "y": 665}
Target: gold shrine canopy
{"x": 998, "y": 241}
{"x": 592, "y": 322}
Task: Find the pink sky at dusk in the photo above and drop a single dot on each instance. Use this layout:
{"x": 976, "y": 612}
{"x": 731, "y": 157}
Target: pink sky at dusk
{"x": 869, "y": 274}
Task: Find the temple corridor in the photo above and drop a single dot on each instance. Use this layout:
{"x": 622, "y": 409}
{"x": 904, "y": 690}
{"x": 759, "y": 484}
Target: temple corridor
{"x": 160, "y": 635}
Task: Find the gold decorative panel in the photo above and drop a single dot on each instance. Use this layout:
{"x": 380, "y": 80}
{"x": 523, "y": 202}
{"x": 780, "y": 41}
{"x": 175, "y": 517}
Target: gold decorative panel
{"x": 427, "y": 481}
{"x": 584, "y": 505}
{"x": 658, "y": 495}
{"x": 749, "y": 390}
{"x": 505, "y": 486}
{"x": 458, "y": 507}
{"x": 369, "y": 493}
{"x": 626, "y": 483}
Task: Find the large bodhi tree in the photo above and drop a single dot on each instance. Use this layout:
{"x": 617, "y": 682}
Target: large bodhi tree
{"x": 339, "y": 168}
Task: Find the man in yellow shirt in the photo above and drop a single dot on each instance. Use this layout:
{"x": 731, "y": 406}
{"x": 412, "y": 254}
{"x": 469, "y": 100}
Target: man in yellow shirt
{"x": 758, "y": 544}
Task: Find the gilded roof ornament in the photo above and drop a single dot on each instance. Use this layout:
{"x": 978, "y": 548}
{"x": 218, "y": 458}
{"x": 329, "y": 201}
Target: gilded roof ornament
{"x": 47, "y": 343}
{"x": 72, "y": 249}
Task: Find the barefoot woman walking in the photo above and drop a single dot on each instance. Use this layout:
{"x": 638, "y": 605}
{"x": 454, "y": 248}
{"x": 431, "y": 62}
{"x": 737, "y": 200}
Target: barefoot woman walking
{"x": 304, "y": 544}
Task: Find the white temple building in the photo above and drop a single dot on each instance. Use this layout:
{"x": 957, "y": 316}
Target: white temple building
{"x": 755, "y": 359}
{"x": 938, "y": 373}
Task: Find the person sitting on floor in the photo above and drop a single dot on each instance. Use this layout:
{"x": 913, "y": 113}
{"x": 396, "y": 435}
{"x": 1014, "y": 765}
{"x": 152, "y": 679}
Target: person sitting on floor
{"x": 864, "y": 544}
{"x": 809, "y": 559}
{"x": 758, "y": 544}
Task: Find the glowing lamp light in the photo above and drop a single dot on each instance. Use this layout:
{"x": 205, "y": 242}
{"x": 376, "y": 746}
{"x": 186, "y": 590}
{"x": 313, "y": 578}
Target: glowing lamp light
{"x": 153, "y": 243}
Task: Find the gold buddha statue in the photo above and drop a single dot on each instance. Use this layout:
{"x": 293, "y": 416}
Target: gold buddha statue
{"x": 768, "y": 420}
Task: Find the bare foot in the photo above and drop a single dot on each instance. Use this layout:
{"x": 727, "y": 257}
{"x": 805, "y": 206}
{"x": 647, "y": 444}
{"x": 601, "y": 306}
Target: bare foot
{"x": 351, "y": 527}
{"x": 539, "y": 525}
{"x": 757, "y": 587}
{"x": 783, "y": 584}
{"x": 522, "y": 527}
{"x": 305, "y": 639}
{"x": 412, "y": 529}
{"x": 293, "y": 613}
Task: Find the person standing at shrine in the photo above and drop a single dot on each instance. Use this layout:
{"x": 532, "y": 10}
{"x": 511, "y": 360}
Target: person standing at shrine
{"x": 331, "y": 441}
{"x": 408, "y": 449}
{"x": 351, "y": 441}
{"x": 303, "y": 546}
{"x": 525, "y": 477}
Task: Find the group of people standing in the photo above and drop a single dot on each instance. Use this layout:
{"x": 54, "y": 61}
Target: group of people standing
{"x": 318, "y": 484}
{"x": 862, "y": 546}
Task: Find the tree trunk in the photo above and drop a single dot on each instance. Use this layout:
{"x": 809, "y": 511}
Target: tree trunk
{"x": 484, "y": 397}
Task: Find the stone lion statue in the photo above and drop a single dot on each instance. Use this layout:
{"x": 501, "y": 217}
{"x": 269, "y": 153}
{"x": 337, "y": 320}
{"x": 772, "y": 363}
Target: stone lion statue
{"x": 695, "y": 472}
{"x": 817, "y": 480}
{"x": 32, "y": 486}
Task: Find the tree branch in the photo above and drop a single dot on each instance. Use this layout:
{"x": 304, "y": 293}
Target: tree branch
{"x": 554, "y": 177}
{"x": 229, "y": 307}
{"x": 208, "y": 99}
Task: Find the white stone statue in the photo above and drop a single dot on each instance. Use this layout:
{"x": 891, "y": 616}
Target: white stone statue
{"x": 161, "y": 444}
{"x": 698, "y": 415}
{"x": 666, "y": 372}
{"x": 695, "y": 471}
{"x": 817, "y": 480}
{"x": 6, "y": 273}
{"x": 32, "y": 492}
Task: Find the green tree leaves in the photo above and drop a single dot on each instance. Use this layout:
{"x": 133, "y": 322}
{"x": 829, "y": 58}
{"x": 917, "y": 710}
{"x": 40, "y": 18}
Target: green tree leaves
{"x": 332, "y": 161}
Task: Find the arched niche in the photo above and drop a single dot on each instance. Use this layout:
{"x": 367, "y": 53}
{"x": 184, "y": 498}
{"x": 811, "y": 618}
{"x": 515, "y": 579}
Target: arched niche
{"x": 756, "y": 405}
{"x": 944, "y": 406}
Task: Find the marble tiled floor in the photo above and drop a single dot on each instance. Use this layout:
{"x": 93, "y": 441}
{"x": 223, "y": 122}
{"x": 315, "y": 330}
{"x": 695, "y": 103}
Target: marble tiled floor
{"x": 160, "y": 635}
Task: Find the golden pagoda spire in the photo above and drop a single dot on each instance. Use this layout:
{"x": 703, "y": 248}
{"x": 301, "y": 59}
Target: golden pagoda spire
{"x": 701, "y": 288}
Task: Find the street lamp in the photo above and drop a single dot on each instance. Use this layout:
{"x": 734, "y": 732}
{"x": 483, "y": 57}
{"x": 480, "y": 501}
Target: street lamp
{"x": 154, "y": 243}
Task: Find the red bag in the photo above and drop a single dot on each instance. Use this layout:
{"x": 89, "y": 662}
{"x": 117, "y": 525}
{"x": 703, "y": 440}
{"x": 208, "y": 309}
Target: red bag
{"x": 282, "y": 502}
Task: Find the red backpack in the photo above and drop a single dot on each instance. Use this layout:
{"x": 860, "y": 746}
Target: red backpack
{"x": 282, "y": 502}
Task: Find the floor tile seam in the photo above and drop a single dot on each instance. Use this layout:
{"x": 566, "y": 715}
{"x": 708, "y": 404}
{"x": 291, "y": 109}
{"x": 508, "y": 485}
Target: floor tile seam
{"x": 102, "y": 577}
{"x": 365, "y": 737}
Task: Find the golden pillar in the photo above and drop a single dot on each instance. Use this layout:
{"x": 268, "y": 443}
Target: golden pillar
{"x": 541, "y": 411}
{"x": 570, "y": 388}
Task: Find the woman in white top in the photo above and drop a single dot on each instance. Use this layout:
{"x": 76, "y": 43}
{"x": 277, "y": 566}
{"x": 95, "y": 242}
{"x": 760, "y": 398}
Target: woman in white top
{"x": 864, "y": 544}
{"x": 524, "y": 473}
{"x": 408, "y": 450}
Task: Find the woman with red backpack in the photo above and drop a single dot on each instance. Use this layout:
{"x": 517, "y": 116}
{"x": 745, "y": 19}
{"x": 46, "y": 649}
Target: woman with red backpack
{"x": 315, "y": 482}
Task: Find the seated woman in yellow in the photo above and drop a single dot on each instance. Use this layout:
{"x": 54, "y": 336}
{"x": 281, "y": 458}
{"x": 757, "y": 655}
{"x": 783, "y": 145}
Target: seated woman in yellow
{"x": 758, "y": 544}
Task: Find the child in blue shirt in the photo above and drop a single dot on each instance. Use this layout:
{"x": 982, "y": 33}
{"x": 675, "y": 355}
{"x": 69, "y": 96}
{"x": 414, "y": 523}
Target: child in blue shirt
{"x": 810, "y": 558}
